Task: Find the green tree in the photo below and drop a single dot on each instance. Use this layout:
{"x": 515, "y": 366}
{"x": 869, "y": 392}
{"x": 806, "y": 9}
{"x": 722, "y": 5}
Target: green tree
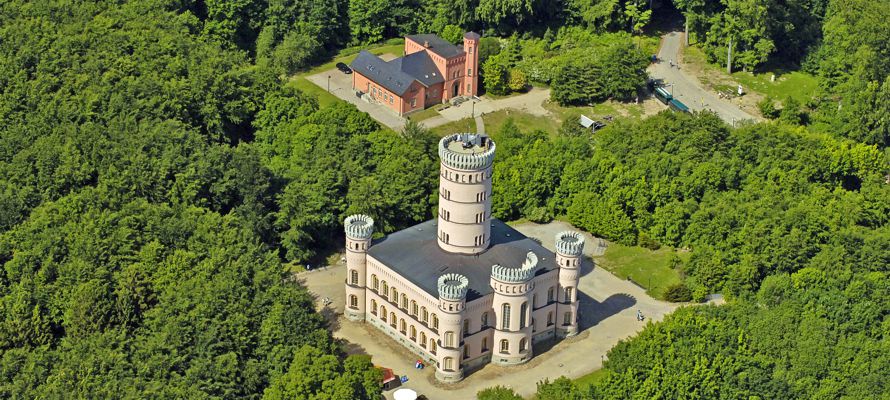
{"x": 498, "y": 393}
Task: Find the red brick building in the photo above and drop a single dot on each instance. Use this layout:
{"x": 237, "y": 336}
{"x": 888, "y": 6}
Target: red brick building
{"x": 432, "y": 71}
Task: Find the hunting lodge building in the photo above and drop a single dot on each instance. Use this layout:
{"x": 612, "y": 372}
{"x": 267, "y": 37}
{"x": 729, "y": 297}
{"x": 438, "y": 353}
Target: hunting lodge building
{"x": 432, "y": 71}
{"x": 464, "y": 289}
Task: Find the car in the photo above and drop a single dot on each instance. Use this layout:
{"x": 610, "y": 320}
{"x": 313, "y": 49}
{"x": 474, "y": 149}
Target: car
{"x": 344, "y": 68}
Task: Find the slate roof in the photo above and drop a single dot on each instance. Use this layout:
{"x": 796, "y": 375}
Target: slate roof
{"x": 420, "y": 66}
{"x": 437, "y": 45}
{"x": 472, "y": 35}
{"x": 383, "y": 73}
{"x": 414, "y": 253}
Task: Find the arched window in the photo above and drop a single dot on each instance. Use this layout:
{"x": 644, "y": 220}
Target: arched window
{"x": 484, "y": 344}
{"x": 568, "y": 294}
{"x": 375, "y": 283}
{"x": 466, "y": 327}
{"x": 424, "y": 315}
{"x": 449, "y": 339}
{"x": 505, "y": 316}
{"x": 423, "y": 339}
{"x": 394, "y": 296}
{"x": 448, "y": 364}
{"x": 384, "y": 290}
{"x": 550, "y": 297}
{"x": 534, "y": 301}
{"x": 404, "y": 301}
{"x": 373, "y": 306}
{"x": 485, "y": 320}
{"x": 550, "y": 318}
{"x": 522, "y": 345}
{"x": 435, "y": 322}
{"x": 505, "y": 346}
{"x": 523, "y": 310}
{"x": 392, "y": 319}
{"x": 383, "y": 313}
{"x": 353, "y": 302}
{"x": 433, "y": 346}
{"x": 353, "y": 277}
{"x": 567, "y": 318}
{"x": 413, "y": 308}
{"x": 466, "y": 351}
{"x": 403, "y": 327}
{"x": 413, "y": 334}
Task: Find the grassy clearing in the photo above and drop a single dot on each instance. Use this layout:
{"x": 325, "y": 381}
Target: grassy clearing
{"x": 799, "y": 85}
{"x": 651, "y": 269}
{"x": 347, "y": 55}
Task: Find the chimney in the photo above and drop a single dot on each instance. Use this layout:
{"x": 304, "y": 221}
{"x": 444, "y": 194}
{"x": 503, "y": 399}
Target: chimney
{"x": 426, "y": 44}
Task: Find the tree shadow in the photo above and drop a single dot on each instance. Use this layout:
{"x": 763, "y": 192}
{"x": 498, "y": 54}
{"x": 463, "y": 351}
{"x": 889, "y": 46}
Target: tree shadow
{"x": 592, "y": 312}
{"x": 331, "y": 318}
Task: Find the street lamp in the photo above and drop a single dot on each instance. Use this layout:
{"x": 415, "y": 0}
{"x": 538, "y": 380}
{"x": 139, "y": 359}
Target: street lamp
{"x": 473, "y": 109}
{"x": 329, "y": 83}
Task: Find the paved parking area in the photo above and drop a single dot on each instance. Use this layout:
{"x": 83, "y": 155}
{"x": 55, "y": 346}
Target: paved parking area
{"x": 608, "y": 314}
{"x": 341, "y": 86}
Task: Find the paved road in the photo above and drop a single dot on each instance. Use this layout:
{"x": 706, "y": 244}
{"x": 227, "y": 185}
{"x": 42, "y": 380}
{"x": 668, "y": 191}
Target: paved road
{"x": 687, "y": 88}
{"x": 607, "y": 314}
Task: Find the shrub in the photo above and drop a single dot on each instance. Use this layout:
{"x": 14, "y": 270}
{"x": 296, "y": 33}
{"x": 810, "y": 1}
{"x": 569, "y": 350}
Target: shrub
{"x": 648, "y": 242}
{"x": 678, "y": 293}
{"x": 518, "y": 81}
{"x": 768, "y": 108}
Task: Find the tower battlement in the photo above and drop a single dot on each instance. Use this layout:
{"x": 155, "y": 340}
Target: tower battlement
{"x": 453, "y": 287}
{"x": 569, "y": 243}
{"x": 359, "y": 226}
{"x": 517, "y": 275}
{"x": 467, "y": 151}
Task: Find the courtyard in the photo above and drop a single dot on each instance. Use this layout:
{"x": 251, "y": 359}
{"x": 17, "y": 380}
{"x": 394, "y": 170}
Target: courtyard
{"x": 608, "y": 308}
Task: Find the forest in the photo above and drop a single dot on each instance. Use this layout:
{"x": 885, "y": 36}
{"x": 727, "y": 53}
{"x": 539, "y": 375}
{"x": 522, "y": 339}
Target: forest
{"x": 158, "y": 170}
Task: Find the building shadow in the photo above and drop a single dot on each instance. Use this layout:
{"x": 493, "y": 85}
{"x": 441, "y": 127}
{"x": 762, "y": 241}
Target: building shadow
{"x": 592, "y": 312}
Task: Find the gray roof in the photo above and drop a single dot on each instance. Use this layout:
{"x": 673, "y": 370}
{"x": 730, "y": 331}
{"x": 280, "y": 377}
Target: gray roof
{"x": 419, "y": 66}
{"x": 437, "y": 45}
{"x": 472, "y": 35}
{"x": 383, "y": 73}
{"x": 415, "y": 254}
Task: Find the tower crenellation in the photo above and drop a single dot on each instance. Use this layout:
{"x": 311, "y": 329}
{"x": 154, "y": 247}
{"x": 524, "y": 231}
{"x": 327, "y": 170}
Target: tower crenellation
{"x": 359, "y": 226}
{"x": 516, "y": 275}
{"x": 453, "y": 287}
{"x": 569, "y": 243}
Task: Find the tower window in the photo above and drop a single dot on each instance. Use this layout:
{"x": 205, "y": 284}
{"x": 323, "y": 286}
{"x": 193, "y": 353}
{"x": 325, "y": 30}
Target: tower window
{"x": 353, "y": 277}
{"x": 469, "y": 73}
{"x": 449, "y": 339}
{"x": 505, "y": 346}
{"x": 568, "y": 295}
{"x": 567, "y": 318}
{"x": 505, "y": 316}
{"x": 522, "y": 345}
{"x": 353, "y": 302}
{"x": 523, "y": 310}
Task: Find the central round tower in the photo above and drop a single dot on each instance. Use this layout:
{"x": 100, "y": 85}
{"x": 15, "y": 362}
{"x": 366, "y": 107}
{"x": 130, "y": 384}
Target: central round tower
{"x": 465, "y": 193}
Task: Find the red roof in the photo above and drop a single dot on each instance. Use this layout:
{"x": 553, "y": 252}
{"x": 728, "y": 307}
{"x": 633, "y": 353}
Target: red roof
{"x": 388, "y": 375}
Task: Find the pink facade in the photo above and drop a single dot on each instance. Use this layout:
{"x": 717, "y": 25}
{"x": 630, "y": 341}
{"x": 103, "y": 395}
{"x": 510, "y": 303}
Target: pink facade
{"x": 480, "y": 314}
{"x": 456, "y": 68}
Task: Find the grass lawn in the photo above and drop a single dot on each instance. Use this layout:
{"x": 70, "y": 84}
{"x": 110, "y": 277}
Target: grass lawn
{"x": 796, "y": 84}
{"x": 324, "y": 98}
{"x": 524, "y": 121}
{"x": 644, "y": 266}
{"x": 464, "y": 125}
{"x": 591, "y": 378}
{"x": 423, "y": 114}
{"x": 347, "y": 55}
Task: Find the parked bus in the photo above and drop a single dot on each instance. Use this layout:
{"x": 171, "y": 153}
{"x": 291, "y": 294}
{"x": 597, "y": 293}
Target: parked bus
{"x": 663, "y": 95}
{"x": 676, "y": 105}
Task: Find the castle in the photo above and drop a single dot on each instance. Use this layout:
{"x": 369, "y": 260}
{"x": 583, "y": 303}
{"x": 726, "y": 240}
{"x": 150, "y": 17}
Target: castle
{"x": 463, "y": 290}
{"x": 432, "y": 71}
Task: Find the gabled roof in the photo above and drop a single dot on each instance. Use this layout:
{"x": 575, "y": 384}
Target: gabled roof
{"x": 385, "y": 74}
{"x": 437, "y": 45}
{"x": 419, "y": 66}
{"x": 414, "y": 254}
